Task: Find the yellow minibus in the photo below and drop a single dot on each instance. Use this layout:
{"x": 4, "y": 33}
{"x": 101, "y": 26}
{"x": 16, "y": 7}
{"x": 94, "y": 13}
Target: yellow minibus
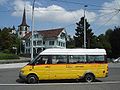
{"x": 57, "y": 64}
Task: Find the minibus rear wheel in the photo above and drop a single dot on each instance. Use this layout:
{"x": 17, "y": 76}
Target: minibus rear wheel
{"x": 89, "y": 77}
{"x": 32, "y": 79}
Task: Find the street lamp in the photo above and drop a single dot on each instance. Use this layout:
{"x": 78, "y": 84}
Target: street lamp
{"x": 32, "y": 30}
{"x": 85, "y": 27}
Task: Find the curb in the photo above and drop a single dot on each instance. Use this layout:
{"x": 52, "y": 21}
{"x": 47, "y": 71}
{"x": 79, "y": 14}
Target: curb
{"x": 21, "y": 60}
{"x": 12, "y": 65}
{"x": 13, "y": 61}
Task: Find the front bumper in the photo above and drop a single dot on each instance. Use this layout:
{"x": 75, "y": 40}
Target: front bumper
{"x": 21, "y": 76}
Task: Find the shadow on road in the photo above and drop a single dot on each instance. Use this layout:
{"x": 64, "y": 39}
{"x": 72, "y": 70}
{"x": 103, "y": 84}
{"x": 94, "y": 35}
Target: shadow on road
{"x": 59, "y": 81}
{"x": 20, "y": 81}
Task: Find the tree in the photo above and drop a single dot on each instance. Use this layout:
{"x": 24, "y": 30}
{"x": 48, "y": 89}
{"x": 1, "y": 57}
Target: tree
{"x": 70, "y": 42}
{"x": 5, "y": 39}
{"x": 115, "y": 42}
{"x": 79, "y": 35}
{"x": 103, "y": 41}
{"x": 108, "y": 34}
{"x": 8, "y": 40}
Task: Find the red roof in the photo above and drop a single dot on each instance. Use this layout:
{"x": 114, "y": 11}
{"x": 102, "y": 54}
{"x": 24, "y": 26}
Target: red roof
{"x": 47, "y": 33}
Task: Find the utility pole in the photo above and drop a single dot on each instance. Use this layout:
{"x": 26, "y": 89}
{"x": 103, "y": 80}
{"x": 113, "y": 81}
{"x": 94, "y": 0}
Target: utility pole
{"x": 85, "y": 27}
{"x": 32, "y": 30}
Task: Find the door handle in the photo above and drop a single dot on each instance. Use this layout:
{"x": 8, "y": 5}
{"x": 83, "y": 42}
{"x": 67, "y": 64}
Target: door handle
{"x": 47, "y": 66}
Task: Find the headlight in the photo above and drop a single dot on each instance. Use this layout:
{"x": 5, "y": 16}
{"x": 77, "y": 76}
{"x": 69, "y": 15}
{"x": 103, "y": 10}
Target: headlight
{"x": 21, "y": 72}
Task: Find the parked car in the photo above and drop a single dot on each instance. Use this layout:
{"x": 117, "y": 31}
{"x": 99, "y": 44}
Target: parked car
{"x": 116, "y": 60}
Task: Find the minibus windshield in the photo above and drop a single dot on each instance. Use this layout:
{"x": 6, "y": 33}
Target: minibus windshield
{"x": 32, "y": 62}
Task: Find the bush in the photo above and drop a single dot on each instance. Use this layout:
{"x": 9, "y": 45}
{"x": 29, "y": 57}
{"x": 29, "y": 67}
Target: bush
{"x": 4, "y": 56}
{"x": 6, "y": 51}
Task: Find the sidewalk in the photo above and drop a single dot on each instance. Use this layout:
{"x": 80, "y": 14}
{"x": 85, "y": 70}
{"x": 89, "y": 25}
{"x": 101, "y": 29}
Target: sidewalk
{"x": 21, "y": 60}
{"x": 13, "y": 65}
{"x": 16, "y": 63}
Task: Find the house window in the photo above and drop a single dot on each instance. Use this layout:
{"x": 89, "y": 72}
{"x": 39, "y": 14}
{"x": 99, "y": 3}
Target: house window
{"x": 34, "y": 43}
{"x": 43, "y": 42}
{"x": 26, "y": 28}
{"x": 35, "y": 35}
{"x": 39, "y": 42}
{"x": 63, "y": 44}
{"x": 62, "y": 35}
{"x": 58, "y": 43}
{"x": 20, "y": 33}
{"x": 25, "y": 32}
{"x": 27, "y": 50}
{"x": 51, "y": 42}
{"x": 27, "y": 44}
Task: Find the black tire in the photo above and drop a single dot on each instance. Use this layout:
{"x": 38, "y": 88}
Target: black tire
{"x": 89, "y": 77}
{"x": 32, "y": 79}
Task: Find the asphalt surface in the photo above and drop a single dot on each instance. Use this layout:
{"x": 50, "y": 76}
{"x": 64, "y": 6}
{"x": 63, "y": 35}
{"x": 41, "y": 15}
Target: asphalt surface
{"x": 9, "y": 80}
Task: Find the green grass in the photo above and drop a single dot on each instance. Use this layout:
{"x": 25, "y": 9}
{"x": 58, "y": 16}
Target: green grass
{"x": 4, "y": 56}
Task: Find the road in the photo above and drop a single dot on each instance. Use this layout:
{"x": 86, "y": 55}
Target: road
{"x": 9, "y": 81}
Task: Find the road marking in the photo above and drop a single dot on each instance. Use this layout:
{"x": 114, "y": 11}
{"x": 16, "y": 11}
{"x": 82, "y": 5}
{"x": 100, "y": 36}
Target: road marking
{"x": 51, "y": 84}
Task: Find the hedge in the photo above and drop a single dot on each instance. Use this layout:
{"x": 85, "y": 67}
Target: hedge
{"x": 4, "y": 56}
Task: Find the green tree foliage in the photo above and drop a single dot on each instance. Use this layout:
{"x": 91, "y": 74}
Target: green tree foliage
{"x": 8, "y": 40}
{"x": 79, "y": 35}
{"x": 5, "y": 40}
{"x": 115, "y": 42}
{"x": 70, "y": 42}
{"x": 103, "y": 42}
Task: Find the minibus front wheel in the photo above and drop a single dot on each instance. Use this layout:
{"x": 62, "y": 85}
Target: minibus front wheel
{"x": 89, "y": 77}
{"x": 32, "y": 79}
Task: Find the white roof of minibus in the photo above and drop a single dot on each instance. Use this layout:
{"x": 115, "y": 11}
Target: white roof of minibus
{"x": 77, "y": 51}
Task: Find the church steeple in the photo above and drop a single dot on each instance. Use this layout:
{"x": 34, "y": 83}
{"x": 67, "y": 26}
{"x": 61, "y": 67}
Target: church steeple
{"x": 23, "y": 28}
{"x": 24, "y": 19}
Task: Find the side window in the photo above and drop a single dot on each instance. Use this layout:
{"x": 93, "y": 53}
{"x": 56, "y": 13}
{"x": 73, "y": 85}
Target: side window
{"x": 77, "y": 59}
{"x": 100, "y": 58}
{"x": 54, "y": 60}
{"x": 59, "y": 59}
{"x": 49, "y": 61}
{"x": 96, "y": 58}
{"x": 91, "y": 59}
{"x": 44, "y": 60}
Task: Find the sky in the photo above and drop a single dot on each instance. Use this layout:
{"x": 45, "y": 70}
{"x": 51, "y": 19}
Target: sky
{"x": 101, "y": 14}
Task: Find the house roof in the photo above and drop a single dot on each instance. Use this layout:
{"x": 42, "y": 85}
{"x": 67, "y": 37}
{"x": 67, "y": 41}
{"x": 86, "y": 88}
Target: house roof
{"x": 46, "y": 33}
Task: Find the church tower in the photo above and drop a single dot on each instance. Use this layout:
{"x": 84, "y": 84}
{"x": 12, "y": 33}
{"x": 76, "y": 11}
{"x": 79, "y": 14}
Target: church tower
{"x": 23, "y": 28}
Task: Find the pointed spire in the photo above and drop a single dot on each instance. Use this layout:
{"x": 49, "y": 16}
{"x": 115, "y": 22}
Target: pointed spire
{"x": 24, "y": 19}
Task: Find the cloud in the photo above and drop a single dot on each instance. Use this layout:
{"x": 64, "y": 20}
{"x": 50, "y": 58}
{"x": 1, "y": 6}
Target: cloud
{"x": 3, "y": 2}
{"x": 19, "y": 7}
{"x": 110, "y": 13}
{"x": 52, "y": 13}
{"x": 55, "y": 13}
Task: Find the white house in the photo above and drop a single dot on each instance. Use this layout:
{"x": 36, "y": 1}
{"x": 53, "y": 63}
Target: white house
{"x": 43, "y": 39}
{"x": 53, "y": 38}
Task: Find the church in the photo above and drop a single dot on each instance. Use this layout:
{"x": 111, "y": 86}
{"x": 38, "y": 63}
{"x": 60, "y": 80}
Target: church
{"x": 42, "y": 39}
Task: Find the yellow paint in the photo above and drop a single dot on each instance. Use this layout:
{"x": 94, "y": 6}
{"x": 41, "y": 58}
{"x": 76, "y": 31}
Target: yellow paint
{"x": 66, "y": 71}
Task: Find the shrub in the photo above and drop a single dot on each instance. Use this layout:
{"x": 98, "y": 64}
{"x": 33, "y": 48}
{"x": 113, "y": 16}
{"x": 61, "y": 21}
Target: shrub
{"x": 4, "y": 56}
{"x": 6, "y": 51}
